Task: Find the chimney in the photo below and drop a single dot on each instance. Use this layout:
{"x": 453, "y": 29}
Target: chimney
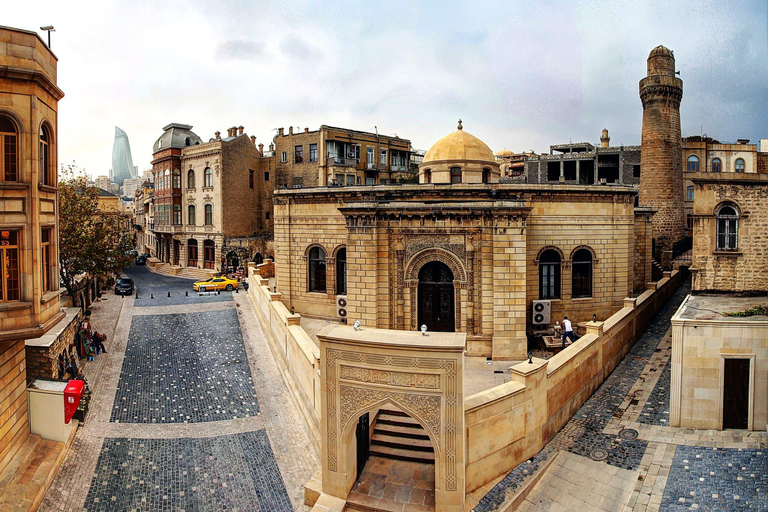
{"x": 218, "y": 135}
{"x": 240, "y": 130}
{"x": 306, "y": 130}
{"x": 253, "y": 139}
{"x": 261, "y": 147}
{"x": 290, "y": 130}
{"x": 605, "y": 140}
{"x": 280, "y": 131}
{"x": 272, "y": 146}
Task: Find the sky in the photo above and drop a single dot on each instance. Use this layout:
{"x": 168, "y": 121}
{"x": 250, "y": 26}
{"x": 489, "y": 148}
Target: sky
{"x": 521, "y": 75}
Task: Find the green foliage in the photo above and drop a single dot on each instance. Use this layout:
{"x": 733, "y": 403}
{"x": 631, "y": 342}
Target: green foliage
{"x": 92, "y": 243}
{"x": 753, "y": 311}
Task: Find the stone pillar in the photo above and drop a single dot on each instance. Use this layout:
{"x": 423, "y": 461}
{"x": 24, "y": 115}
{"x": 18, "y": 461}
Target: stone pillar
{"x": 578, "y": 168}
{"x": 509, "y": 285}
{"x": 362, "y": 270}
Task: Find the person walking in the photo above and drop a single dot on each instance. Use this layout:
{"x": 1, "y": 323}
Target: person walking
{"x": 567, "y": 330}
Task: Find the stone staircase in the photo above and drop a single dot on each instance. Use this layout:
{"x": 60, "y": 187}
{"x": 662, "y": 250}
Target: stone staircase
{"x": 167, "y": 269}
{"x": 398, "y": 436}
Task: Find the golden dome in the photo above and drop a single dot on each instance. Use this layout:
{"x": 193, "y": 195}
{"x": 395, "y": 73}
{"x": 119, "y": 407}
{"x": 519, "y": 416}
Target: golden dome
{"x": 505, "y": 152}
{"x": 459, "y": 145}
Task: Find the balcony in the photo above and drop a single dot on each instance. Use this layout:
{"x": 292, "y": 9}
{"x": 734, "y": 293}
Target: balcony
{"x": 342, "y": 162}
{"x": 399, "y": 168}
{"x": 168, "y": 228}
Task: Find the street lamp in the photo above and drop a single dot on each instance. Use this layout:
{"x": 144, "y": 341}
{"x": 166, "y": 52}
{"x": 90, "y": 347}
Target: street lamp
{"x": 49, "y": 29}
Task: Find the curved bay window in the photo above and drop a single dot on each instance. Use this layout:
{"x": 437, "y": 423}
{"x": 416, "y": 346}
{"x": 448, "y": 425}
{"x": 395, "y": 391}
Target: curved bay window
{"x": 317, "y": 270}
{"x": 46, "y": 173}
{"x": 209, "y": 254}
{"x": 549, "y": 275}
{"x": 693, "y": 164}
{"x": 341, "y": 272}
{"x": 717, "y": 165}
{"x": 727, "y": 228}
{"x": 190, "y": 179}
{"x": 176, "y": 178}
{"x": 581, "y": 277}
{"x": 8, "y": 150}
{"x": 10, "y": 289}
{"x": 207, "y": 177}
{"x": 191, "y": 215}
{"x": 192, "y": 252}
{"x": 209, "y": 215}
{"x": 455, "y": 175}
{"x": 739, "y": 165}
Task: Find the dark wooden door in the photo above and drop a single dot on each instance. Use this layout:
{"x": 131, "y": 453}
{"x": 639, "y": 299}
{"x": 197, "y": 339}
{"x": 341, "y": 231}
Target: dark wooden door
{"x": 363, "y": 442}
{"x": 736, "y": 393}
{"x": 436, "y": 302}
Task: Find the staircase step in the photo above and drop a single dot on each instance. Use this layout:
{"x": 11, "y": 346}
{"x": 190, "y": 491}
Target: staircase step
{"x": 401, "y": 442}
{"x": 391, "y": 419}
{"x": 402, "y": 454}
{"x": 400, "y": 431}
{"x": 364, "y": 503}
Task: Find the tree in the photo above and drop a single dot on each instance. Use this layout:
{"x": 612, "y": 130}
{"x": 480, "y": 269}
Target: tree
{"x": 93, "y": 244}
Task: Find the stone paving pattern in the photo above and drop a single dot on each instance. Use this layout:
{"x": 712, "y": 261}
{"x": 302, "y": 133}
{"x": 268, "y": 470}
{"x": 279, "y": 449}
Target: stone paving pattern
{"x": 236, "y": 472}
{"x": 717, "y": 479}
{"x": 656, "y": 409}
{"x": 185, "y": 368}
{"x": 149, "y": 284}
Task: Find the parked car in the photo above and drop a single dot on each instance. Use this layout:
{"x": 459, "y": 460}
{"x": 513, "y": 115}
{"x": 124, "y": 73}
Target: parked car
{"x": 216, "y": 283}
{"x": 132, "y": 252}
{"x": 141, "y": 260}
{"x": 124, "y": 286}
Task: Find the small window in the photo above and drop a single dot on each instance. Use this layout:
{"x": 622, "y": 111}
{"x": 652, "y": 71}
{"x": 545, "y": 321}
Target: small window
{"x": 313, "y": 152}
{"x": 693, "y": 163}
{"x": 636, "y": 171}
{"x": 350, "y": 180}
{"x": 250, "y": 178}
{"x": 383, "y": 157}
{"x": 209, "y": 215}
{"x": 317, "y": 270}
{"x": 717, "y": 165}
{"x": 191, "y": 215}
{"x": 8, "y": 150}
{"x": 727, "y": 228}
{"x": 46, "y": 172}
{"x": 167, "y": 179}
{"x": 427, "y": 175}
{"x": 46, "y": 260}
{"x": 177, "y": 215}
{"x": 739, "y": 166}
{"x": 455, "y": 174}
{"x": 370, "y": 155}
{"x": 486, "y": 175}
{"x": 266, "y": 175}
{"x": 298, "y": 154}
{"x": 208, "y": 177}
{"x": 266, "y": 215}
{"x": 689, "y": 193}
{"x": 549, "y": 275}
{"x": 176, "y": 178}
{"x": 10, "y": 286}
{"x": 284, "y": 157}
{"x": 341, "y": 272}
{"x": 190, "y": 179}
{"x": 187, "y": 141}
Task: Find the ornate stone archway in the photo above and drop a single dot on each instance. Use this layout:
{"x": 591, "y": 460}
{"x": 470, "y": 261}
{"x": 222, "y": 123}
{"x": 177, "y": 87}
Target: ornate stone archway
{"x": 364, "y": 370}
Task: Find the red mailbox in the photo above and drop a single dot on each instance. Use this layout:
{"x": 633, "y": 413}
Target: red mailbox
{"x": 72, "y": 395}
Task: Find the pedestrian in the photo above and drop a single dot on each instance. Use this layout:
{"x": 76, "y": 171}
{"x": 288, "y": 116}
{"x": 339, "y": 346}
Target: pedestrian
{"x": 567, "y": 330}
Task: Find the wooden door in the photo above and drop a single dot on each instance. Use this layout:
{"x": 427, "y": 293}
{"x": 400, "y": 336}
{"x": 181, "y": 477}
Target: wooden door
{"x": 436, "y": 298}
{"x": 736, "y": 394}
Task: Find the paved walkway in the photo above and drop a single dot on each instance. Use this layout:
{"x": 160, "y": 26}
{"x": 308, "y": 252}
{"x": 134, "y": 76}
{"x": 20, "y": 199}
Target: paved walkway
{"x": 624, "y": 425}
{"x": 189, "y": 411}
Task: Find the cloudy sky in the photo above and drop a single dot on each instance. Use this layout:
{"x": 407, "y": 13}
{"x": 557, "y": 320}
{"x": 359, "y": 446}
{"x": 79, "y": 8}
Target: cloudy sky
{"x": 522, "y": 75}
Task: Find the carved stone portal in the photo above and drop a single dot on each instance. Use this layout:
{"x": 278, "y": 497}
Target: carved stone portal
{"x": 365, "y": 370}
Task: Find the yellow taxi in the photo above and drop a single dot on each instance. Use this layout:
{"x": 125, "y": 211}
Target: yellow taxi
{"x": 215, "y": 283}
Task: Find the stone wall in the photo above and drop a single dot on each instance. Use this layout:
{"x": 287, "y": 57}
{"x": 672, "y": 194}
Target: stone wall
{"x": 745, "y": 269}
{"x": 14, "y": 420}
{"x": 307, "y": 171}
{"x": 42, "y": 353}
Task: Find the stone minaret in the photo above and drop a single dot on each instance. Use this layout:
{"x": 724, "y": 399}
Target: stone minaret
{"x": 661, "y": 172}
{"x": 605, "y": 140}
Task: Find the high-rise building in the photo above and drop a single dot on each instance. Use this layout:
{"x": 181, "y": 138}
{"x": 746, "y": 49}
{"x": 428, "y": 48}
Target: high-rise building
{"x": 122, "y": 163}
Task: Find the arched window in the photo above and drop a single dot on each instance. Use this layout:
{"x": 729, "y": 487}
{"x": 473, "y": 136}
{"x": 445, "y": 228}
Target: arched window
{"x": 317, "y": 270}
{"x": 190, "y": 179}
{"x": 208, "y": 177}
{"x": 8, "y": 150}
{"x": 549, "y": 275}
{"x": 46, "y": 173}
{"x": 693, "y": 163}
{"x": 187, "y": 141}
{"x": 739, "y": 166}
{"x": 209, "y": 215}
{"x": 455, "y": 174}
{"x": 727, "y": 228}
{"x": 192, "y": 252}
{"x": 581, "y": 277}
{"x": 191, "y": 215}
{"x": 176, "y": 178}
{"x": 167, "y": 179}
{"x": 486, "y": 175}
{"x": 717, "y": 165}
{"x": 341, "y": 272}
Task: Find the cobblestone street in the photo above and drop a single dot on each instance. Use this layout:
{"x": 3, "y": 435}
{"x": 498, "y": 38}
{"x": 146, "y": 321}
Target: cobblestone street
{"x": 189, "y": 410}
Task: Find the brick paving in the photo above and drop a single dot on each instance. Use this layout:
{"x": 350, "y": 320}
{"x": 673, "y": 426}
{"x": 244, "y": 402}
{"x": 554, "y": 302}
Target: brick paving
{"x": 232, "y": 459}
{"x": 153, "y": 290}
{"x": 636, "y": 396}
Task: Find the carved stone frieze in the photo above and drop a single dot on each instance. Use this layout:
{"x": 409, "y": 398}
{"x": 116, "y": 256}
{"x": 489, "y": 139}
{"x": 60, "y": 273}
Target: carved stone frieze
{"x": 390, "y": 378}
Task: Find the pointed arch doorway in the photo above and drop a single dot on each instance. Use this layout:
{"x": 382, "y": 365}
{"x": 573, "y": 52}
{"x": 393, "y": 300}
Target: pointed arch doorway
{"x": 436, "y": 297}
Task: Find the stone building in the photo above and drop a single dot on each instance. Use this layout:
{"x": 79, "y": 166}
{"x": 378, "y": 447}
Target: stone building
{"x": 512, "y": 165}
{"x": 460, "y": 252}
{"x": 331, "y": 156}
{"x": 211, "y": 200}
{"x": 719, "y": 362}
{"x": 29, "y": 285}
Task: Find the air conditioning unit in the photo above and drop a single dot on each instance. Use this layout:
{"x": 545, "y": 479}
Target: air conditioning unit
{"x": 540, "y": 312}
{"x": 341, "y": 306}
{"x": 350, "y": 155}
